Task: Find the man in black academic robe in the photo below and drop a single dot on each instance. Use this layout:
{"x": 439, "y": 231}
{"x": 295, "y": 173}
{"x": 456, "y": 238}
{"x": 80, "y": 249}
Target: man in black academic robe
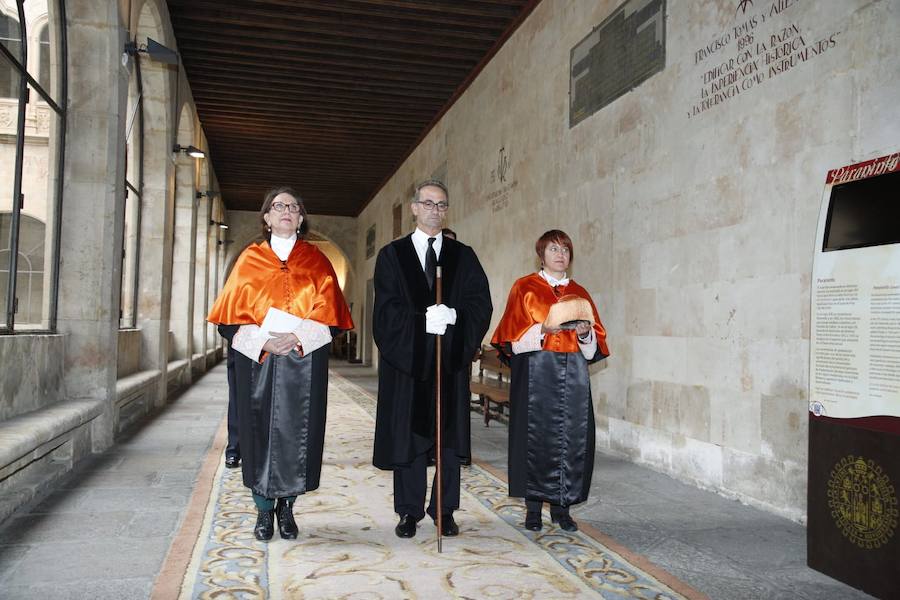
{"x": 405, "y": 323}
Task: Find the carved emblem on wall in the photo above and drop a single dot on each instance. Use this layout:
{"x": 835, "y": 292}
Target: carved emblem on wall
{"x": 8, "y": 116}
{"x": 499, "y": 197}
{"x": 863, "y": 502}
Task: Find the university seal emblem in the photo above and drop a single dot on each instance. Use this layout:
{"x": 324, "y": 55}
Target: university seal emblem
{"x": 863, "y": 502}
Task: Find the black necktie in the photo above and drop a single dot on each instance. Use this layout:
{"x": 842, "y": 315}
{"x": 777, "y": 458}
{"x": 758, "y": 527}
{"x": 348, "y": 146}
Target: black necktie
{"x": 430, "y": 263}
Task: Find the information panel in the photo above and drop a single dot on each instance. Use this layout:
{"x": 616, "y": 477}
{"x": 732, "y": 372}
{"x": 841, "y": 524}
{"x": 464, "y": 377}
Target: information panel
{"x": 855, "y": 327}
{"x": 854, "y": 382}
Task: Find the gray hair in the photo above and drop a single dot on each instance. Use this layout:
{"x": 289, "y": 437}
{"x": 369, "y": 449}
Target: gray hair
{"x": 431, "y": 183}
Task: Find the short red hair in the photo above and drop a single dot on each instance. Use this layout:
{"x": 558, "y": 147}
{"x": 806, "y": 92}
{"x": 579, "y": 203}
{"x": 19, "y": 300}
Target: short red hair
{"x": 554, "y": 235}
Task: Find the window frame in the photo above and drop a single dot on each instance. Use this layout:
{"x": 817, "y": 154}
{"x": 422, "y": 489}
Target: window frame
{"x": 137, "y": 129}
{"x": 26, "y": 81}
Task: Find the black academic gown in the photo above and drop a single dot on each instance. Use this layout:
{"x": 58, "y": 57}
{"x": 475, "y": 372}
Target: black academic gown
{"x": 281, "y": 419}
{"x": 405, "y": 413}
{"x": 551, "y": 427}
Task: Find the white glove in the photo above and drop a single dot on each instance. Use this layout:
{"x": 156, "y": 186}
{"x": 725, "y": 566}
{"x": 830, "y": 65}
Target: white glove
{"x": 434, "y": 327}
{"x": 437, "y": 317}
{"x": 441, "y": 313}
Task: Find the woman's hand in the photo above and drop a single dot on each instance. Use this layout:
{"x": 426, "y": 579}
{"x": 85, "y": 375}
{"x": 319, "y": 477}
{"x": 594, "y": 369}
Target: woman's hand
{"x": 582, "y": 328}
{"x": 281, "y": 343}
{"x": 545, "y": 330}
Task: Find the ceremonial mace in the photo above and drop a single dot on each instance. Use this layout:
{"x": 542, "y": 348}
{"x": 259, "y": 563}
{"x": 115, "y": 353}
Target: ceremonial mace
{"x": 438, "y": 446}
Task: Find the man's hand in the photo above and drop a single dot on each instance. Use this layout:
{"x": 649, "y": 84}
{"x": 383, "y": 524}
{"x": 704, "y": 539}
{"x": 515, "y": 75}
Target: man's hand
{"x": 437, "y": 317}
{"x": 281, "y": 343}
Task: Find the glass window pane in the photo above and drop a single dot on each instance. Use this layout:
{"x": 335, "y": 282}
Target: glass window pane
{"x": 44, "y": 58}
{"x": 11, "y": 38}
{"x": 39, "y": 183}
{"x": 129, "y": 254}
{"x": 9, "y": 120}
{"x": 131, "y": 233}
{"x": 38, "y": 24}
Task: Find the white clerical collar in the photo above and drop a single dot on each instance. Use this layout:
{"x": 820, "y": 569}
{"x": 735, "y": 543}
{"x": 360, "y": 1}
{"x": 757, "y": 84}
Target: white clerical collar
{"x": 553, "y": 281}
{"x": 282, "y": 246}
{"x": 420, "y": 241}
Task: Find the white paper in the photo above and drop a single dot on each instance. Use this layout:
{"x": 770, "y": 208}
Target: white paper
{"x": 280, "y": 321}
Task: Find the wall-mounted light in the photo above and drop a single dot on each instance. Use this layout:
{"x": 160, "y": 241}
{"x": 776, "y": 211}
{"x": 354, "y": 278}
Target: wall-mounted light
{"x": 207, "y": 194}
{"x": 219, "y": 223}
{"x": 189, "y": 150}
{"x": 154, "y": 50}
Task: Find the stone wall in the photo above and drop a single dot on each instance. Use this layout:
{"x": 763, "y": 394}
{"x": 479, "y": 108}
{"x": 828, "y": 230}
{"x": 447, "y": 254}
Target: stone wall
{"x": 692, "y": 206}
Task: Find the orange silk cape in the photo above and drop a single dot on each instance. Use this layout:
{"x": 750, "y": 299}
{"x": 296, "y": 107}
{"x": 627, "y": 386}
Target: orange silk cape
{"x": 304, "y": 285}
{"x": 529, "y": 302}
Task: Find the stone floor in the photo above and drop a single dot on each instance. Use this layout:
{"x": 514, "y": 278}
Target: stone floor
{"x": 105, "y": 531}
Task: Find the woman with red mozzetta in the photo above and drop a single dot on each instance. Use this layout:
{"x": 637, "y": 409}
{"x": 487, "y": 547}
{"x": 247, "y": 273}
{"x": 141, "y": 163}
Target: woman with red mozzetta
{"x": 281, "y": 377}
{"x": 549, "y": 333}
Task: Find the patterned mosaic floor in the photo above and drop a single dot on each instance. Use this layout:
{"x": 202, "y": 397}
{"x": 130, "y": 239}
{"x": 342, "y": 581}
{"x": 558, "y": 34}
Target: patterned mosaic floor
{"x": 347, "y": 548}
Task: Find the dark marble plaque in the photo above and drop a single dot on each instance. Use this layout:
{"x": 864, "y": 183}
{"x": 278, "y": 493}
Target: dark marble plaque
{"x": 617, "y": 56}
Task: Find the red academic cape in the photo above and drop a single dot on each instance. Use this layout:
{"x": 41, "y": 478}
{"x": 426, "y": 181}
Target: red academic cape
{"x": 281, "y": 402}
{"x": 551, "y": 421}
{"x": 304, "y": 285}
{"x": 529, "y": 302}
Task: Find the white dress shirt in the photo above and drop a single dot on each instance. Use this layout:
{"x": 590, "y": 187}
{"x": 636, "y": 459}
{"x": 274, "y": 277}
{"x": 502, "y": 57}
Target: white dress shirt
{"x": 282, "y": 246}
{"x": 420, "y": 243}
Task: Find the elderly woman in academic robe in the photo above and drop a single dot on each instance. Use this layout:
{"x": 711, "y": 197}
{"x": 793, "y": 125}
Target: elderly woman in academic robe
{"x": 279, "y": 310}
{"x": 549, "y": 334}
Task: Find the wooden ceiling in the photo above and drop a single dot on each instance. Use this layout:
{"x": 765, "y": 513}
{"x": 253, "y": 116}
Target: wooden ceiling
{"x": 329, "y": 96}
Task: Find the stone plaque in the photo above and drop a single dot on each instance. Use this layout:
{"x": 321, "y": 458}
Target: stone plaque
{"x": 618, "y": 55}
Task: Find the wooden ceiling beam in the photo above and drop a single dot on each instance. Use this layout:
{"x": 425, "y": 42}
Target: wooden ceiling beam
{"x": 494, "y": 22}
{"x": 281, "y": 22}
{"x": 446, "y": 7}
{"x": 303, "y": 97}
{"x": 308, "y": 55}
{"x": 337, "y": 21}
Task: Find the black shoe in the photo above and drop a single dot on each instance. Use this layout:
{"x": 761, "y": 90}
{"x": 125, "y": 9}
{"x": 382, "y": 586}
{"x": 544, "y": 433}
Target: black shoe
{"x": 287, "y": 527}
{"x": 533, "y": 521}
{"x": 265, "y": 525}
{"x": 565, "y": 522}
{"x": 449, "y": 528}
{"x": 406, "y": 528}
{"x": 232, "y": 462}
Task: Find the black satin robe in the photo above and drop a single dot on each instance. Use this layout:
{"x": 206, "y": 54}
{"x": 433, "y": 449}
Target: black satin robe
{"x": 405, "y": 420}
{"x": 551, "y": 426}
{"x": 281, "y": 419}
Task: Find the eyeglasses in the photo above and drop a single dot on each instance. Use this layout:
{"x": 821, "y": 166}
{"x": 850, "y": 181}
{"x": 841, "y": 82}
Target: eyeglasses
{"x": 429, "y": 205}
{"x": 558, "y": 250}
{"x": 280, "y": 206}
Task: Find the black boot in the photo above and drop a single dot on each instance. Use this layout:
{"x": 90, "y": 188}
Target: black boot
{"x": 564, "y": 520}
{"x": 287, "y": 527}
{"x": 265, "y": 525}
{"x": 533, "y": 521}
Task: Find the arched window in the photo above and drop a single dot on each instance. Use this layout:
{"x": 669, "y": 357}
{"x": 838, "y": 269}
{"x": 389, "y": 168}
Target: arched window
{"x": 131, "y": 232}
{"x": 44, "y": 58}
{"x": 31, "y": 160}
{"x": 11, "y": 37}
{"x": 29, "y": 267}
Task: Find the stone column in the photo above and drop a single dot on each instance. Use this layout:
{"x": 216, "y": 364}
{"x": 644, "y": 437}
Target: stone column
{"x": 157, "y": 223}
{"x": 93, "y": 207}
